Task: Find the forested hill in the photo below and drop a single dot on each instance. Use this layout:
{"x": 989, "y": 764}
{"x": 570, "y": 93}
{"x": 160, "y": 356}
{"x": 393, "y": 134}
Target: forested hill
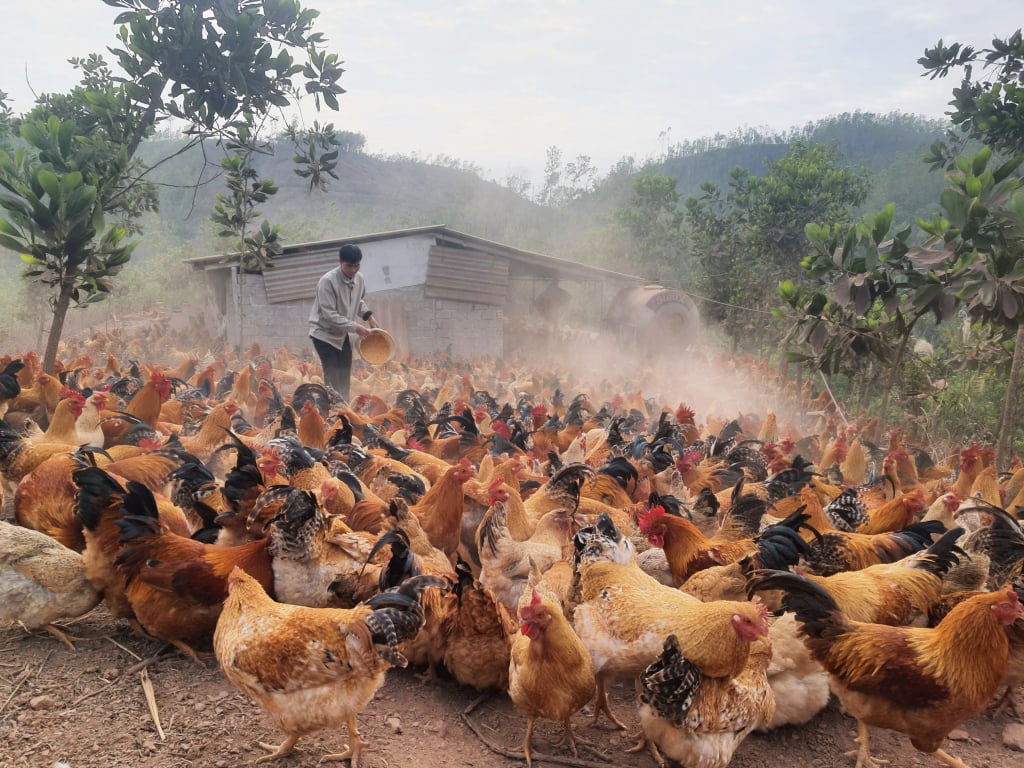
{"x": 889, "y": 145}
{"x": 376, "y": 193}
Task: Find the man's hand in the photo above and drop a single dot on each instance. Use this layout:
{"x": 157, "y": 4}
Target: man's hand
{"x": 362, "y": 331}
{"x": 373, "y": 322}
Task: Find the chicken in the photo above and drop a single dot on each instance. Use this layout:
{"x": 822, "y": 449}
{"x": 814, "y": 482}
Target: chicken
{"x": 144, "y": 407}
{"x": 45, "y": 502}
{"x": 313, "y": 668}
{"x": 624, "y": 616}
{"x": 699, "y": 721}
{"x": 440, "y": 509}
{"x": 428, "y": 647}
{"x": 41, "y": 581}
{"x": 62, "y": 427}
{"x": 837, "y": 551}
{"x": 319, "y": 562}
{"x": 18, "y": 457}
{"x": 9, "y": 386}
{"x": 550, "y": 674}
{"x": 478, "y": 632}
{"x": 562, "y": 491}
{"x": 689, "y": 551}
{"x": 176, "y": 585}
{"x": 893, "y": 593}
{"x": 505, "y": 562}
{"x": 798, "y": 682}
{"x": 922, "y": 682}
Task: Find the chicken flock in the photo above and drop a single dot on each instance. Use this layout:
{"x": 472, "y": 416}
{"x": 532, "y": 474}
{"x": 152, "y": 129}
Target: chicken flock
{"x": 486, "y": 525}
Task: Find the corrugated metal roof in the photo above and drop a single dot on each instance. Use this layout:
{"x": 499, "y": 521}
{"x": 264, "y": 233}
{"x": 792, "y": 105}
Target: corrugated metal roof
{"x": 462, "y": 274}
{"x": 520, "y": 262}
{"x": 296, "y": 277}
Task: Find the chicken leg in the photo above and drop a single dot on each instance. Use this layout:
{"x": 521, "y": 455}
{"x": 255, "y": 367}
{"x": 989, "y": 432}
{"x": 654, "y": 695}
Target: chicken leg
{"x": 285, "y": 748}
{"x": 355, "y": 746}
{"x": 59, "y": 635}
{"x": 863, "y": 753}
{"x": 601, "y": 705}
{"x": 948, "y": 759}
{"x": 526, "y": 742}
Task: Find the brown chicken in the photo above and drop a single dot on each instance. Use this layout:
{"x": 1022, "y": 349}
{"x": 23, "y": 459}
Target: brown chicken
{"x": 478, "y": 632}
{"x": 836, "y": 551}
{"x": 922, "y": 682}
{"x": 625, "y": 615}
{"x": 550, "y": 675}
{"x": 699, "y": 721}
{"x": 313, "y": 668}
{"x": 893, "y": 593}
{"x": 175, "y": 585}
{"x": 41, "y": 581}
{"x": 688, "y": 550}
{"x": 440, "y": 509}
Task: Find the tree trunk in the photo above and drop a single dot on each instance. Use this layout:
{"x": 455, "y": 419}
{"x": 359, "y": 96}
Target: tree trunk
{"x": 1008, "y": 422}
{"x": 890, "y": 380}
{"x": 60, "y": 311}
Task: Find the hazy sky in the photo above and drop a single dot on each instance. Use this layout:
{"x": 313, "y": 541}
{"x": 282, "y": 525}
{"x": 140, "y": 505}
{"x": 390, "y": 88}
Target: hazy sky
{"x": 497, "y": 82}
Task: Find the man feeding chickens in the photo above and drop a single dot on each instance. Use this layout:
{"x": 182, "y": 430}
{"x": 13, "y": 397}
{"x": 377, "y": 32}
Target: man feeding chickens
{"x": 338, "y": 308}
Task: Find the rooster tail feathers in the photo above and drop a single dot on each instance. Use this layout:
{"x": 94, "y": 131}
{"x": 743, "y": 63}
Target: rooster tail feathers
{"x": 940, "y": 556}
{"x": 780, "y": 546}
{"x": 402, "y": 564}
{"x": 917, "y": 536}
{"x": 96, "y": 491}
{"x": 493, "y": 528}
{"x": 815, "y": 609}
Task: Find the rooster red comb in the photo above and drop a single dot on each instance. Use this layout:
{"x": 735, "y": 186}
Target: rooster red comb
{"x": 70, "y": 394}
{"x": 685, "y": 415}
{"x": 651, "y": 516}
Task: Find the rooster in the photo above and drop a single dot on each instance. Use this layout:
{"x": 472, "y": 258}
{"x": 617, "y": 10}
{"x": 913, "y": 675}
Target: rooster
{"x": 176, "y": 585}
{"x": 893, "y": 593}
{"x": 922, "y": 682}
{"x": 313, "y": 668}
{"x": 837, "y": 551}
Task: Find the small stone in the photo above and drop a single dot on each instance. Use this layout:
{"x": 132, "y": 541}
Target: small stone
{"x": 149, "y": 746}
{"x": 394, "y": 724}
{"x": 42, "y": 702}
{"x": 1013, "y": 736}
{"x": 959, "y": 734}
{"x": 110, "y": 673}
{"x": 200, "y": 707}
{"x": 222, "y": 764}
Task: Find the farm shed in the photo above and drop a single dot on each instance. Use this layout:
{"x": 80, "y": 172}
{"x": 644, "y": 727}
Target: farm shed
{"x": 437, "y": 290}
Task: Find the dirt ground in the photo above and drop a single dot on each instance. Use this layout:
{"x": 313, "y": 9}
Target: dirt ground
{"x": 88, "y": 709}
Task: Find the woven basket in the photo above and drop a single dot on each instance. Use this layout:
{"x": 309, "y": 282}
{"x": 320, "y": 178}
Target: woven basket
{"x": 377, "y": 348}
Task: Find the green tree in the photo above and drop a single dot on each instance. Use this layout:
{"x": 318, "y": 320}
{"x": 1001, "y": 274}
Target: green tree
{"x": 655, "y": 223}
{"x": 177, "y": 59}
{"x": 754, "y": 235}
{"x": 868, "y": 287}
{"x": 989, "y": 107}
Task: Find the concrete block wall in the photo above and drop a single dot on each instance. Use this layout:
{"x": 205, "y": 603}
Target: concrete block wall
{"x": 432, "y": 326}
{"x": 272, "y": 325}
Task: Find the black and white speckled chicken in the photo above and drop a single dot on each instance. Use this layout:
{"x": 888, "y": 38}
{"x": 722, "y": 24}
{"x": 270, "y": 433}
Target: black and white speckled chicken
{"x": 697, "y": 720}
